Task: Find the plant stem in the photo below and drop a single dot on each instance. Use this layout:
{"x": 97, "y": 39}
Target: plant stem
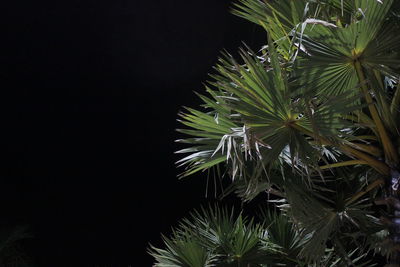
{"x": 389, "y": 149}
{"x": 343, "y": 163}
{"x": 370, "y": 149}
{"x": 380, "y": 166}
{"x": 394, "y": 106}
{"x": 370, "y": 187}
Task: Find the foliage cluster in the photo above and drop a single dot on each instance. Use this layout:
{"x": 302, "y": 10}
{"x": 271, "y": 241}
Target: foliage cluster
{"x": 311, "y": 121}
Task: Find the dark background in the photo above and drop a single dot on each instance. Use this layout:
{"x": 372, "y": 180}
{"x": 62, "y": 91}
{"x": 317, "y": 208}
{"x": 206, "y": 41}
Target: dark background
{"x": 90, "y": 92}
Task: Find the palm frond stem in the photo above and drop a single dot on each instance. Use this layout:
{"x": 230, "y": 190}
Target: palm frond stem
{"x": 378, "y": 165}
{"x": 366, "y": 120}
{"x": 378, "y": 77}
{"x": 344, "y": 163}
{"x": 389, "y": 149}
{"x": 394, "y": 106}
{"x": 370, "y": 149}
{"x": 370, "y": 187}
{"x": 367, "y": 137}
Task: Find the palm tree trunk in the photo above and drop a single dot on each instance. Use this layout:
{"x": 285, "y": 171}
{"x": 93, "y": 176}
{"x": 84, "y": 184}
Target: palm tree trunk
{"x": 394, "y": 228}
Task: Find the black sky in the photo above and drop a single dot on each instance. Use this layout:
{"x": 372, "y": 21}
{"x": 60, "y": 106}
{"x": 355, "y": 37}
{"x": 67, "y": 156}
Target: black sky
{"x": 89, "y": 100}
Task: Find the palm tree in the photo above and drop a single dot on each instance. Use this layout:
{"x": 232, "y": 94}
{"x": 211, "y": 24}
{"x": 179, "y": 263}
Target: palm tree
{"x": 312, "y": 122}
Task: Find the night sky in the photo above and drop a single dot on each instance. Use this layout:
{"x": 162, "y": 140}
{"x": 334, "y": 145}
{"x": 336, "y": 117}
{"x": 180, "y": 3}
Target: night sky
{"x": 89, "y": 101}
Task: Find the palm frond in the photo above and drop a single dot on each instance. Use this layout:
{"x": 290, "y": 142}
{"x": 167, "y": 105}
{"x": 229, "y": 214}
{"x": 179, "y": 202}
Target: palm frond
{"x": 323, "y": 214}
{"x": 328, "y": 55}
{"x": 283, "y": 232}
{"x": 217, "y": 237}
{"x": 312, "y": 120}
{"x": 182, "y": 250}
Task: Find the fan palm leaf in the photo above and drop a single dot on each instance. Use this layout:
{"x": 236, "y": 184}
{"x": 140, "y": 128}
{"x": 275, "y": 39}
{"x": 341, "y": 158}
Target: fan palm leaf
{"x": 183, "y": 251}
{"x": 311, "y": 120}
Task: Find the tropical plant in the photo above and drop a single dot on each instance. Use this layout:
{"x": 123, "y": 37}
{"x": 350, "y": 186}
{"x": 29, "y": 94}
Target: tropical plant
{"x": 12, "y": 253}
{"x": 311, "y": 121}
